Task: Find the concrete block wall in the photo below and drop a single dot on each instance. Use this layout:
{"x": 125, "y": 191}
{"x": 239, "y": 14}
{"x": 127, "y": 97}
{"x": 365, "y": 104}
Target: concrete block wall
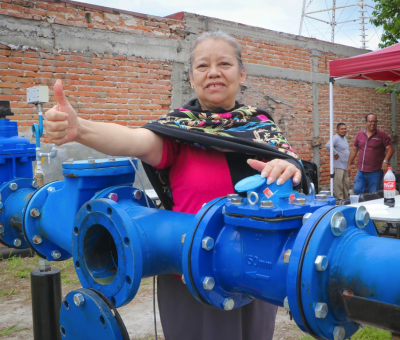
{"x": 131, "y": 68}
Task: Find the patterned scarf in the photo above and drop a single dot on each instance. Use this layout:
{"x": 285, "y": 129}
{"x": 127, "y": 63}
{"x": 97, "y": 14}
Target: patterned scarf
{"x": 244, "y": 122}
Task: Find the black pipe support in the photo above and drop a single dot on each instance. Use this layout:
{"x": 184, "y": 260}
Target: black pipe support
{"x": 46, "y": 302}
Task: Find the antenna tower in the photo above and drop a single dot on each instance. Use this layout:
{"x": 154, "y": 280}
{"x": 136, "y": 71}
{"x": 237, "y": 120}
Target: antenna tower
{"x": 361, "y": 4}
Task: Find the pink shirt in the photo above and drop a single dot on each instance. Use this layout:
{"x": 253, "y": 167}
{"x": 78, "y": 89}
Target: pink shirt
{"x": 196, "y": 176}
{"x": 372, "y": 150}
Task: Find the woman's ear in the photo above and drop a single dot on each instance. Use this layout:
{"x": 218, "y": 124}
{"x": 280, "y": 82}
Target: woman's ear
{"x": 191, "y": 80}
{"x": 242, "y": 77}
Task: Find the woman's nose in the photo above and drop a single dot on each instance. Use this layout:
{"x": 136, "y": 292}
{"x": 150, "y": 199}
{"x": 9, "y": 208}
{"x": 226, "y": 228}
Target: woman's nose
{"x": 214, "y": 71}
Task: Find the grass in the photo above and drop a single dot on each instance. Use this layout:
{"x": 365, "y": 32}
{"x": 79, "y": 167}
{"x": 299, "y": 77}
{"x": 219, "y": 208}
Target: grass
{"x": 12, "y": 329}
{"x": 367, "y": 333}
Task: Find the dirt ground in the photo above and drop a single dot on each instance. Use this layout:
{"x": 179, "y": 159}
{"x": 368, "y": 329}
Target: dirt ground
{"x": 16, "y": 315}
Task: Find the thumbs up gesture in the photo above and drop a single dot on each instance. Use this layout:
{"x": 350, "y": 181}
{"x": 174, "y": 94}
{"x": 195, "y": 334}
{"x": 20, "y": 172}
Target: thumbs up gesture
{"x": 61, "y": 122}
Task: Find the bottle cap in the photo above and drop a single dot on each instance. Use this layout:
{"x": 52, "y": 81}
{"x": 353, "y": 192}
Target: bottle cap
{"x": 389, "y": 168}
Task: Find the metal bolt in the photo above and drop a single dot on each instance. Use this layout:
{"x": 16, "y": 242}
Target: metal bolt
{"x": 207, "y": 243}
{"x": 183, "y": 238}
{"x": 70, "y": 160}
{"x": 17, "y": 242}
{"x": 44, "y": 265}
{"x": 1, "y": 205}
{"x": 111, "y": 158}
{"x": 79, "y": 299}
{"x": 236, "y": 200}
{"x": 35, "y": 213}
{"x": 338, "y": 224}
{"x": 299, "y": 201}
{"x": 13, "y": 186}
{"x": 321, "y": 263}
{"x": 1, "y": 229}
{"x": 230, "y": 196}
{"x": 362, "y": 217}
{"x": 113, "y": 197}
{"x": 50, "y": 189}
{"x": 55, "y": 254}
{"x": 321, "y": 197}
{"x": 34, "y": 184}
{"x": 321, "y": 310}
{"x": 183, "y": 279}
{"x": 37, "y": 239}
{"x": 223, "y": 210}
{"x": 208, "y": 283}
{"x": 286, "y": 255}
{"x": 306, "y": 217}
{"x": 338, "y": 333}
{"x": 91, "y": 160}
{"x": 137, "y": 194}
{"x": 228, "y": 304}
{"x": 286, "y": 303}
{"x": 266, "y": 204}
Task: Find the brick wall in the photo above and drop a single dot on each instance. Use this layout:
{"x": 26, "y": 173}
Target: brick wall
{"x": 137, "y": 86}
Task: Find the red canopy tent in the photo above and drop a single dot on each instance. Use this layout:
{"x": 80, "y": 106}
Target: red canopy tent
{"x": 381, "y": 66}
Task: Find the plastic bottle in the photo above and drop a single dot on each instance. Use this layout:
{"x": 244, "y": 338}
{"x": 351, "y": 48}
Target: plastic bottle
{"x": 389, "y": 188}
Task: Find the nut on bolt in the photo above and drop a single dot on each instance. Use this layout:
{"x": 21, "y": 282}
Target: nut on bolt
{"x": 113, "y": 197}
{"x": 338, "y": 333}
{"x": 362, "y": 217}
{"x": 306, "y": 217}
{"x": 137, "y": 194}
{"x": 228, "y": 304}
{"x": 17, "y": 242}
{"x": 79, "y": 299}
{"x": 55, "y": 254}
{"x": 13, "y": 186}
{"x": 321, "y": 310}
{"x": 338, "y": 224}
{"x": 321, "y": 263}
{"x": 1, "y": 229}
{"x": 207, "y": 243}
{"x": 286, "y": 255}
{"x": 208, "y": 283}
{"x": 50, "y": 189}
{"x": 35, "y": 213}
{"x": 37, "y": 239}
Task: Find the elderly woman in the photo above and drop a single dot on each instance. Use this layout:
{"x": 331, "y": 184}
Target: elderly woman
{"x": 204, "y": 146}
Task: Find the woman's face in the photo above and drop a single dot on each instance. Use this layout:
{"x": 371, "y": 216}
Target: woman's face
{"x": 215, "y": 75}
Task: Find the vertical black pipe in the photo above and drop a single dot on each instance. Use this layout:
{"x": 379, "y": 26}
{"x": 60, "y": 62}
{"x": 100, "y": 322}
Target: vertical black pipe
{"x": 46, "y": 302}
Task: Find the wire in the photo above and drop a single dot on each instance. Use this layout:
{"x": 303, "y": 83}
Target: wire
{"x": 154, "y": 278}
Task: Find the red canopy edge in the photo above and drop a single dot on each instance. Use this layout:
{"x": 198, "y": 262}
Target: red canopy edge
{"x": 382, "y": 65}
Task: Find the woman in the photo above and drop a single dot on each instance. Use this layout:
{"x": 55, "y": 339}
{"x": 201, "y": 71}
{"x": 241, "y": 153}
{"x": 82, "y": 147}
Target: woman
{"x": 214, "y": 121}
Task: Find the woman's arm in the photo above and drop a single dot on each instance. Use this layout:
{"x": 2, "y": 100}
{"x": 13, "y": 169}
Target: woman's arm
{"x": 63, "y": 126}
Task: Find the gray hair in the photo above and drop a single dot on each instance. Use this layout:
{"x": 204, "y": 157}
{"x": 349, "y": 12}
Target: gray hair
{"x": 237, "y": 48}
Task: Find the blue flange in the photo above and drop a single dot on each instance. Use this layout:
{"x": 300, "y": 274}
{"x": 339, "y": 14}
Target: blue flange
{"x": 14, "y": 196}
{"x": 87, "y": 315}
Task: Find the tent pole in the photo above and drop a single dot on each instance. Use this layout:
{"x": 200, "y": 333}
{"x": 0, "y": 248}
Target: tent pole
{"x": 331, "y": 82}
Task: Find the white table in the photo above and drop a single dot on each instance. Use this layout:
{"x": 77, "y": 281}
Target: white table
{"x": 382, "y": 213}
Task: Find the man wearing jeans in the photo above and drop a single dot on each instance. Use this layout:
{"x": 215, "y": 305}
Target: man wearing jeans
{"x": 341, "y": 157}
{"x": 375, "y": 152}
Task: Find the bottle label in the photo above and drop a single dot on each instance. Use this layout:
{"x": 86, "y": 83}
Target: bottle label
{"x": 389, "y": 188}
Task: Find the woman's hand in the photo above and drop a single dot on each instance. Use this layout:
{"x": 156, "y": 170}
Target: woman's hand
{"x": 61, "y": 122}
{"x": 277, "y": 169}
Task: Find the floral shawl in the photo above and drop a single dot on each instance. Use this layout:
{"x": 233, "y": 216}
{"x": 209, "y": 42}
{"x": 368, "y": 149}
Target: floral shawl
{"x": 244, "y": 130}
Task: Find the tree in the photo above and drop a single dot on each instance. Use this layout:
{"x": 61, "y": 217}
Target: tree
{"x": 387, "y": 16}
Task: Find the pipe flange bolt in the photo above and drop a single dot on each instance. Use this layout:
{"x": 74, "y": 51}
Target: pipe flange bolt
{"x": 79, "y": 299}
{"x": 286, "y": 255}
{"x": 321, "y": 263}
{"x": 207, "y": 243}
{"x": 13, "y": 186}
{"x": 338, "y": 333}
{"x": 321, "y": 310}
{"x": 55, "y": 254}
{"x": 2, "y": 229}
{"x": 17, "y": 242}
{"x": 229, "y": 304}
{"x": 113, "y": 197}
{"x": 286, "y": 303}
{"x": 137, "y": 194}
{"x": 338, "y": 224}
{"x": 362, "y": 217}
{"x": 35, "y": 213}
{"x": 306, "y": 217}
{"x": 208, "y": 283}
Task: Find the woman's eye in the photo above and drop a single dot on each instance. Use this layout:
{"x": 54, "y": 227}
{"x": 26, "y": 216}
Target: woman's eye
{"x": 202, "y": 66}
{"x": 225, "y": 63}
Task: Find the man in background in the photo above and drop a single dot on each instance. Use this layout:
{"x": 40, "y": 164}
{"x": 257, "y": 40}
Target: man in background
{"x": 375, "y": 152}
{"x": 341, "y": 153}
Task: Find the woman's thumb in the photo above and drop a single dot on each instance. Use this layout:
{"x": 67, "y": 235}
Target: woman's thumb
{"x": 62, "y": 102}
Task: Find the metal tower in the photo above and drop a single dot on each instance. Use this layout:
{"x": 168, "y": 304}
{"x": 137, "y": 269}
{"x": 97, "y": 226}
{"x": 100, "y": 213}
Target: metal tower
{"x": 332, "y": 12}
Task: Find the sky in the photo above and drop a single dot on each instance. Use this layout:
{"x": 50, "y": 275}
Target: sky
{"x": 282, "y": 16}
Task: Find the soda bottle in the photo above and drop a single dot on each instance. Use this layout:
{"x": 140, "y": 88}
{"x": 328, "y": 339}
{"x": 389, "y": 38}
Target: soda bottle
{"x": 389, "y": 188}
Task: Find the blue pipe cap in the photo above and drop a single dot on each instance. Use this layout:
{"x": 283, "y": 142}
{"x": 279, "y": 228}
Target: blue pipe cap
{"x": 250, "y": 183}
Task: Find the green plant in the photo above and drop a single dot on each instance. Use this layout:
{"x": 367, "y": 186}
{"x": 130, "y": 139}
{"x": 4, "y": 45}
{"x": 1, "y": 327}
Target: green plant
{"x": 12, "y": 329}
{"x": 371, "y": 333}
